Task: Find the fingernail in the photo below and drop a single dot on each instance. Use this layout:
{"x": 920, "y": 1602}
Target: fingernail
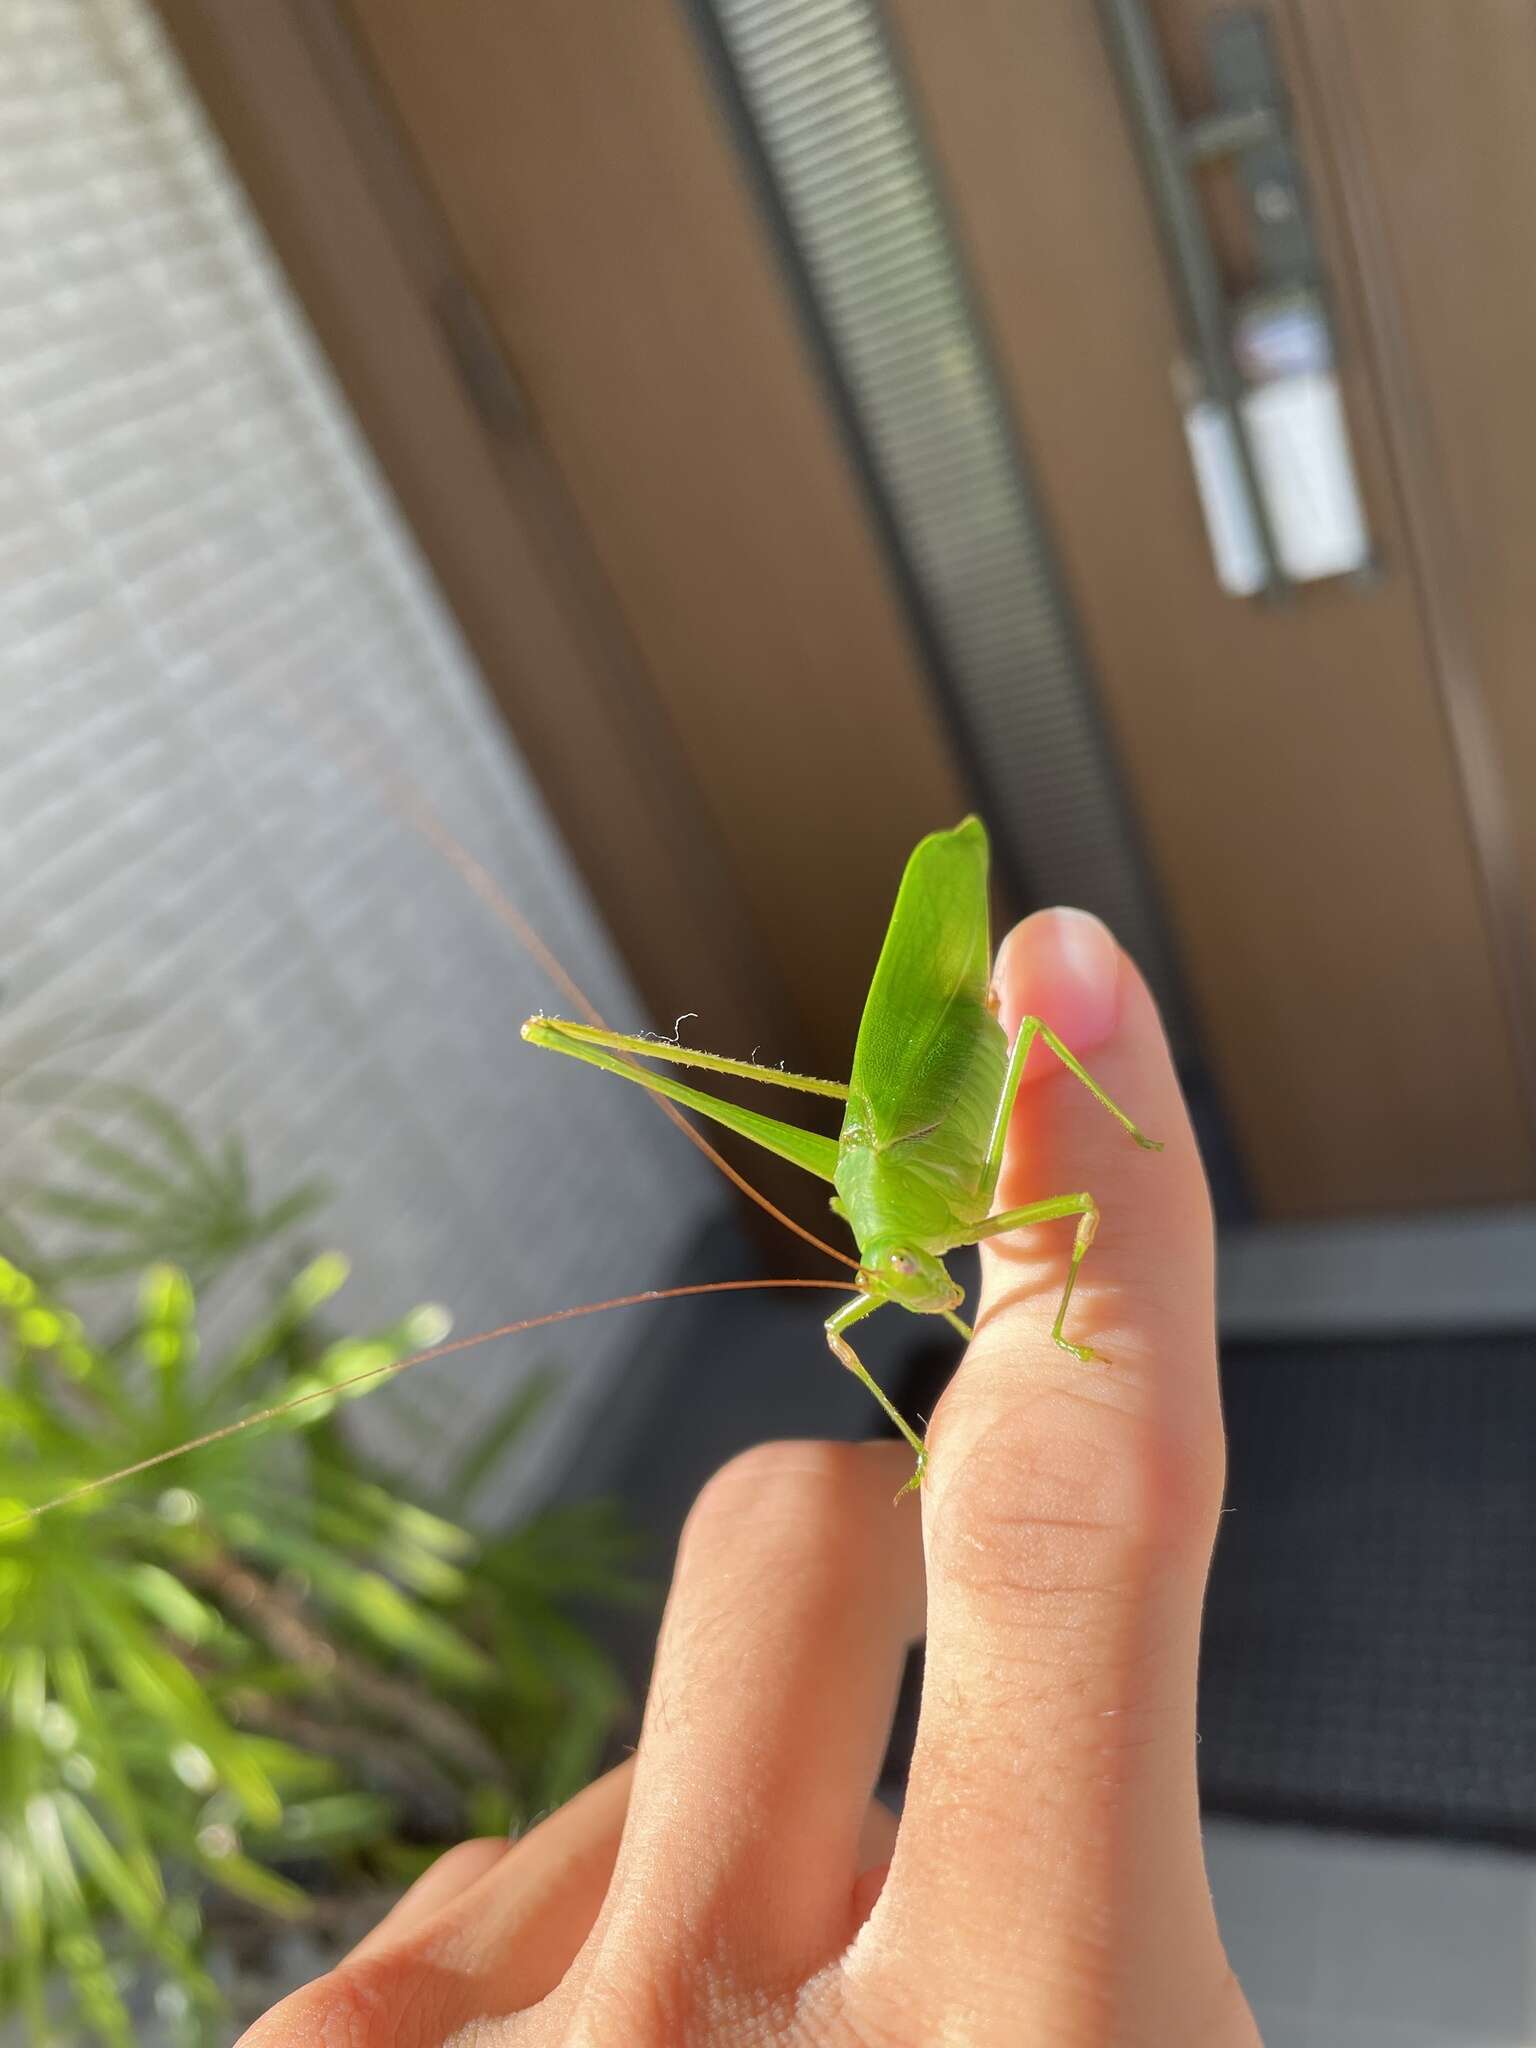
{"x": 1064, "y": 965}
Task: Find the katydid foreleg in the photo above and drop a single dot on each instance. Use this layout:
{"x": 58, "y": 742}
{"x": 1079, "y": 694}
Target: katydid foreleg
{"x": 1029, "y": 1029}
{"x": 844, "y": 1318}
{"x": 1086, "y": 1209}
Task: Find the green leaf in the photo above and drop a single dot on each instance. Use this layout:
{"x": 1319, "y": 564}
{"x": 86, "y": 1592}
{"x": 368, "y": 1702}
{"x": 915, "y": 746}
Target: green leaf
{"x": 309, "y": 1290}
{"x": 237, "y": 1172}
{"x": 50, "y": 1852}
{"x": 247, "y": 1879}
{"x": 17, "y": 1289}
{"x": 161, "y": 1121}
{"x": 21, "y": 1896}
{"x": 167, "y": 1690}
{"x": 175, "y": 1606}
{"x": 418, "y": 1525}
{"x": 295, "y": 1772}
{"x": 168, "y": 1333}
{"x": 316, "y": 1827}
{"x": 79, "y": 1205}
{"x": 134, "y": 1888}
{"x": 489, "y": 1446}
{"x": 115, "y": 1788}
{"x": 100, "y": 1265}
{"x": 375, "y": 1605}
{"x": 385, "y": 1611}
{"x": 113, "y": 1162}
{"x": 302, "y": 1201}
{"x": 350, "y": 1368}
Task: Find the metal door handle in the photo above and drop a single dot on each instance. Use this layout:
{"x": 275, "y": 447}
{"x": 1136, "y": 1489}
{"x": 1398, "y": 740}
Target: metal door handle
{"x": 1250, "y": 125}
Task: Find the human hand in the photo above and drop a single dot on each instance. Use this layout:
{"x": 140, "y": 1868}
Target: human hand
{"x": 734, "y": 1886}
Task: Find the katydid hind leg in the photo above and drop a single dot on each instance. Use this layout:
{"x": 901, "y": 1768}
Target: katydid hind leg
{"x": 843, "y": 1319}
{"x": 1086, "y": 1210}
{"x": 806, "y": 1149}
{"x": 671, "y": 1054}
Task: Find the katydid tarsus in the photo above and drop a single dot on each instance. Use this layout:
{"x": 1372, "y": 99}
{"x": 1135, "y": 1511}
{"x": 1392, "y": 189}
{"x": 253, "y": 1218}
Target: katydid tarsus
{"x": 915, "y": 1166}
{"x": 928, "y": 1104}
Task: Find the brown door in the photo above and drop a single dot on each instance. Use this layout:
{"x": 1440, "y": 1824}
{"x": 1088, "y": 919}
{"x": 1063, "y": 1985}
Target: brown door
{"x": 1335, "y": 794}
{"x": 1318, "y": 781}
{"x": 579, "y": 154}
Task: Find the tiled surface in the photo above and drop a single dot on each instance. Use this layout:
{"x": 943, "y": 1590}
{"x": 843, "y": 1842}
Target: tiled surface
{"x": 215, "y": 638}
{"x": 1343, "y": 1942}
{"x": 1369, "y": 1650}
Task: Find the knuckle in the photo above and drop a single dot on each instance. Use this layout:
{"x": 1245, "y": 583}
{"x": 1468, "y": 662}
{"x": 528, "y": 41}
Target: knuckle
{"x": 673, "y": 1994}
{"x": 1068, "y": 1494}
{"x": 351, "y": 2007}
{"x": 635, "y": 2010}
{"x": 464, "y": 1860}
{"x": 808, "y": 1483}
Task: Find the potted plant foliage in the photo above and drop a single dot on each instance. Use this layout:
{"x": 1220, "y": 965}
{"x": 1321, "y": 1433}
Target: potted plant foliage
{"x": 256, "y": 1685}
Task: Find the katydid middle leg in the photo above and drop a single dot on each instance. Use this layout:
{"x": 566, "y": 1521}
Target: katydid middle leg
{"x": 843, "y": 1319}
{"x": 1031, "y": 1028}
{"x": 1086, "y": 1210}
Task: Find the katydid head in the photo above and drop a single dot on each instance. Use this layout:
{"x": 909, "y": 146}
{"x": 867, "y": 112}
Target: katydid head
{"x": 901, "y": 1272}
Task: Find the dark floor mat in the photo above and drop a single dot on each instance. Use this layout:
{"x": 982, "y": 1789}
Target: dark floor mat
{"x": 1370, "y": 1639}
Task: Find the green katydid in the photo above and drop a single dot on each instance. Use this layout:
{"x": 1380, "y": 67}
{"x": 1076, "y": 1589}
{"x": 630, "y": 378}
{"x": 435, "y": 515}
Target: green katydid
{"x": 915, "y": 1166}
{"x": 929, "y": 1099}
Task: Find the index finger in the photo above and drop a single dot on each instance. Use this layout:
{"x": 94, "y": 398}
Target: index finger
{"x": 1050, "y": 1841}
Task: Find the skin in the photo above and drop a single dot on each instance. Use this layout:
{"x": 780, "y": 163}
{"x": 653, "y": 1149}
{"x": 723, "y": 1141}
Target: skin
{"x": 734, "y": 1885}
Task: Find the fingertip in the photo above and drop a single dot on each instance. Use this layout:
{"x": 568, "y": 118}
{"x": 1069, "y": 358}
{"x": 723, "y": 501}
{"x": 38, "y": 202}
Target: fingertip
{"x": 1134, "y": 1148}
{"x": 1065, "y": 966}
{"x": 452, "y": 1874}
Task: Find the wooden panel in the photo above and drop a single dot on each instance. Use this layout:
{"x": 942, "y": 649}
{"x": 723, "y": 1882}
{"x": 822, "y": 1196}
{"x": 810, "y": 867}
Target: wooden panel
{"x": 1290, "y": 765}
{"x": 374, "y": 269}
{"x": 582, "y": 162}
{"x": 1437, "y": 110}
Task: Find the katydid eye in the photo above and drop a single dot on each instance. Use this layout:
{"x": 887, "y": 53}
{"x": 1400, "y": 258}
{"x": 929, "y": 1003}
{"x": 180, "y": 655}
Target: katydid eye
{"x": 902, "y": 1262}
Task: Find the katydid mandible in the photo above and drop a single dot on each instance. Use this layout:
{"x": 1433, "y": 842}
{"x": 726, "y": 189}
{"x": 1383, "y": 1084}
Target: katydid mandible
{"x": 929, "y": 1099}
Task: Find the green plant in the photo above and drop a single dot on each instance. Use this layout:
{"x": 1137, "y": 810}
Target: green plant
{"x": 259, "y": 1669}
{"x": 146, "y": 1190}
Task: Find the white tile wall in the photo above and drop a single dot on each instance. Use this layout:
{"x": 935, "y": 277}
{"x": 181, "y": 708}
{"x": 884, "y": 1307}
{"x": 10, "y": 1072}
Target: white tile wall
{"x": 215, "y": 633}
